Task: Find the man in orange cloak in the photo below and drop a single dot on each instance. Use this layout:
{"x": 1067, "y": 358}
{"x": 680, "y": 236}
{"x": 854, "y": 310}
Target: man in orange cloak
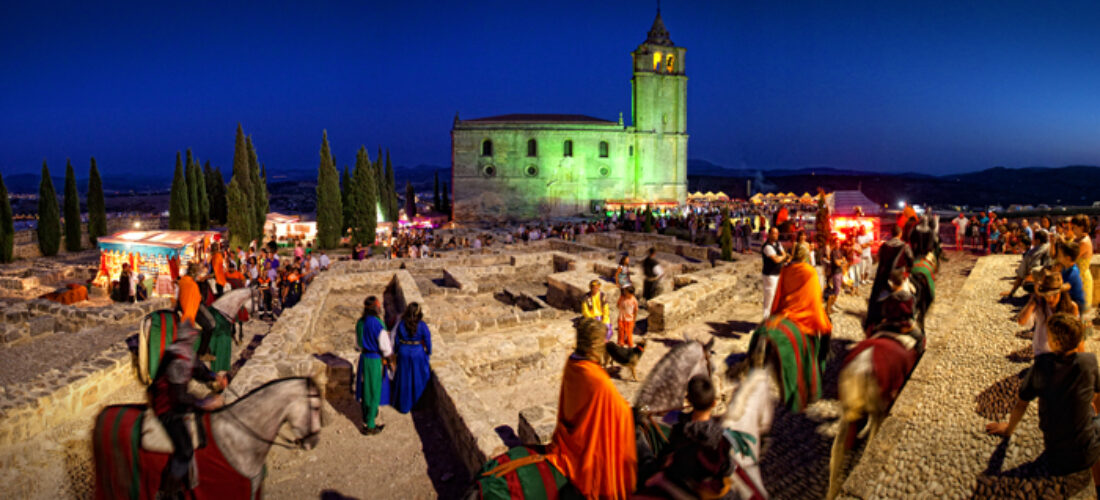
{"x": 593, "y": 443}
{"x": 217, "y": 261}
{"x": 189, "y": 296}
{"x": 798, "y": 295}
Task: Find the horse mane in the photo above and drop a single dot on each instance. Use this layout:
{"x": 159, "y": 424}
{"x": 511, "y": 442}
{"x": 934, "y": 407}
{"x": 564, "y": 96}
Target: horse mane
{"x": 309, "y": 383}
{"x": 739, "y": 403}
{"x": 667, "y": 378}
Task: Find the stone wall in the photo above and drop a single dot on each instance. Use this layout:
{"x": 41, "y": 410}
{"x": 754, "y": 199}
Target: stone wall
{"x": 704, "y": 296}
{"x": 457, "y": 277}
{"x": 59, "y": 397}
{"x": 25, "y": 319}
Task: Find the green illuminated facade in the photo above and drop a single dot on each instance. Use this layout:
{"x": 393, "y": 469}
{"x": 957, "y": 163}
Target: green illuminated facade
{"x": 527, "y": 166}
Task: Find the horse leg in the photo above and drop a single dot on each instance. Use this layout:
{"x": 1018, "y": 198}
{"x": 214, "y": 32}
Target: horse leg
{"x": 876, "y": 419}
{"x": 836, "y": 459}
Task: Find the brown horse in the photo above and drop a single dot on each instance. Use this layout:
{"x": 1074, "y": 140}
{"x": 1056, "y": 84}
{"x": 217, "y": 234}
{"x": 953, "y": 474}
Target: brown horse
{"x": 236, "y": 440}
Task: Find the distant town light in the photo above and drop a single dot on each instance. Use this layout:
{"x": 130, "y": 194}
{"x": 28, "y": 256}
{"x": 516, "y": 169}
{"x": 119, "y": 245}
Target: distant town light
{"x": 137, "y": 225}
{"x": 901, "y": 204}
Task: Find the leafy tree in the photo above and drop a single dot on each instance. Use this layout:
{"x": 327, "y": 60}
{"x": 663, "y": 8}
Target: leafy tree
{"x": 725, "y": 238}
{"x": 193, "y": 210}
{"x": 7, "y": 225}
{"x": 178, "y": 216}
{"x": 97, "y": 207}
{"x": 49, "y": 216}
{"x": 72, "y": 210}
{"x": 437, "y": 203}
{"x": 240, "y": 216}
{"x": 410, "y": 200}
{"x": 259, "y": 193}
{"x": 362, "y": 205}
{"x": 330, "y": 210}
{"x": 203, "y": 205}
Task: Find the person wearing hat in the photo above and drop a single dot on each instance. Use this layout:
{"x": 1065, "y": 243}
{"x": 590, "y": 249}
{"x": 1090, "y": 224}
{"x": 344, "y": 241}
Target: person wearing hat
{"x": 172, "y": 402}
{"x": 899, "y": 310}
{"x": 1051, "y": 296}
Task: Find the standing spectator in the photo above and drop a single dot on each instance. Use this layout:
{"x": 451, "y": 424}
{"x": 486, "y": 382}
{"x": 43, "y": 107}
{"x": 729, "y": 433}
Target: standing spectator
{"x": 414, "y": 348}
{"x": 375, "y": 349}
{"x": 774, "y": 258}
{"x": 622, "y": 273}
{"x": 653, "y": 272}
{"x": 628, "y": 313}
{"x": 960, "y": 223}
{"x": 1079, "y": 227}
{"x": 865, "y": 239}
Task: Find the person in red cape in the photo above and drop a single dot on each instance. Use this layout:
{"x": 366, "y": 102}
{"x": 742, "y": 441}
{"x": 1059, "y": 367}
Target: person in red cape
{"x": 593, "y": 443}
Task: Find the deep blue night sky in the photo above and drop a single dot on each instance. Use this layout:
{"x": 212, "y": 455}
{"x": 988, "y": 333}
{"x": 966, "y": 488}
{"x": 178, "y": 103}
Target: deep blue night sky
{"x": 918, "y": 86}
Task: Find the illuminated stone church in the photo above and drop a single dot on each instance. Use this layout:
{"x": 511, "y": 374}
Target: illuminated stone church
{"x": 527, "y": 166}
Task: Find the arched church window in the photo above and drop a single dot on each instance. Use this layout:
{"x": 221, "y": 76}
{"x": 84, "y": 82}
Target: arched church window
{"x": 532, "y": 148}
{"x": 670, "y": 62}
{"x": 656, "y": 61}
{"x": 603, "y": 149}
{"x": 487, "y": 148}
{"x": 568, "y": 149}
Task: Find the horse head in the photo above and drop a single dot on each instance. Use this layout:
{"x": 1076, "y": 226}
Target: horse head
{"x": 305, "y": 422}
{"x": 752, "y": 407}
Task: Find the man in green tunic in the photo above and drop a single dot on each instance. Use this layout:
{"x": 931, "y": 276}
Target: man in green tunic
{"x": 375, "y": 348}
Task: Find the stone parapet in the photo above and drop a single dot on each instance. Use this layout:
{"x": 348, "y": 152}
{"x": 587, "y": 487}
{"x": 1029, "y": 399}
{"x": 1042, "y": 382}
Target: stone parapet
{"x": 566, "y": 290}
{"x": 701, "y": 297}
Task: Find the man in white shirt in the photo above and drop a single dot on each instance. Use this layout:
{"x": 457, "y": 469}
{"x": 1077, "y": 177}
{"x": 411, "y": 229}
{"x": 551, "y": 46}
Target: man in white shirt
{"x": 960, "y": 223}
{"x": 864, "y": 240}
{"x": 324, "y": 261}
{"x": 774, "y": 258}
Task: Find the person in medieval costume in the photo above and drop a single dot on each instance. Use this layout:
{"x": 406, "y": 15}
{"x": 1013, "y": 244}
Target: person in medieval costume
{"x": 172, "y": 402}
{"x": 893, "y": 254}
{"x": 375, "y": 349}
{"x": 413, "y": 343}
{"x": 595, "y": 306}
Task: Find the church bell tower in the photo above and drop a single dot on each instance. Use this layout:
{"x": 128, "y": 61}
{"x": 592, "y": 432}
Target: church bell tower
{"x": 659, "y": 112}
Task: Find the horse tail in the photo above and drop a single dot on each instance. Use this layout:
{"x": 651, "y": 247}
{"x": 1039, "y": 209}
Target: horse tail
{"x": 116, "y": 445}
{"x": 858, "y": 393}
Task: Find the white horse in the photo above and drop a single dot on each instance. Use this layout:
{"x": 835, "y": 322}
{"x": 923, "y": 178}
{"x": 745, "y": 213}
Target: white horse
{"x": 241, "y": 433}
{"x": 748, "y": 417}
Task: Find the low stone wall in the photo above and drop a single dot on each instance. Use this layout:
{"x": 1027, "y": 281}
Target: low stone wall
{"x": 567, "y": 290}
{"x": 25, "y": 319}
{"x": 457, "y": 277}
{"x": 692, "y": 301}
{"x": 55, "y": 398}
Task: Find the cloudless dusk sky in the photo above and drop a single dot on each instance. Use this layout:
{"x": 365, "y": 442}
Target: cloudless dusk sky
{"x": 937, "y": 87}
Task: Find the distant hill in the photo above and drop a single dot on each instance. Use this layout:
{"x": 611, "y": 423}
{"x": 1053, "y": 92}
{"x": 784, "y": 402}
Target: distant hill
{"x": 28, "y": 183}
{"x": 1071, "y": 185}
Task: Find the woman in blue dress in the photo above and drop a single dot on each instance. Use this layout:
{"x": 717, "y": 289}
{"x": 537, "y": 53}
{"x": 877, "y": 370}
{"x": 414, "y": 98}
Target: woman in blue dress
{"x": 413, "y": 346}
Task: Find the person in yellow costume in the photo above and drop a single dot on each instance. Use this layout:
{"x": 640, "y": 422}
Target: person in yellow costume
{"x": 595, "y": 306}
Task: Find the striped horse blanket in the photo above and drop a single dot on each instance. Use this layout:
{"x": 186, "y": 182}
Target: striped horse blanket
{"x": 924, "y": 268}
{"x": 161, "y": 330}
{"x": 539, "y": 480}
{"x": 124, "y": 470}
{"x": 801, "y": 365}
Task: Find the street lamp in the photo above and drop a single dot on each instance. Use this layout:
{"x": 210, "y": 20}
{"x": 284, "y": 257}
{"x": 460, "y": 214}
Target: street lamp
{"x": 901, "y": 204}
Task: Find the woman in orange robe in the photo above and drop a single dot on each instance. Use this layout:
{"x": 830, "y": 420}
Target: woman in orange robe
{"x": 189, "y": 296}
{"x": 798, "y": 296}
{"x": 593, "y": 443}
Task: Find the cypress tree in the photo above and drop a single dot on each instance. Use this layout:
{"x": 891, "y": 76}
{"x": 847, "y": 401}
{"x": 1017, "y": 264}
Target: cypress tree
{"x": 437, "y": 203}
{"x": 239, "y": 212}
{"x": 361, "y": 200}
{"x": 72, "y": 209}
{"x": 391, "y": 191}
{"x": 410, "y": 200}
{"x": 345, "y": 191}
{"x": 192, "y": 192}
{"x": 259, "y": 193}
{"x": 178, "y": 217}
{"x": 330, "y": 210}
{"x": 204, "y": 199}
{"x": 218, "y": 209}
{"x": 7, "y": 225}
{"x": 97, "y": 207}
{"x": 265, "y": 202}
{"x": 49, "y": 216}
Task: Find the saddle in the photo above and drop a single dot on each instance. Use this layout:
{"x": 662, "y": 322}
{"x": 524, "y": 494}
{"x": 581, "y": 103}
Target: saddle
{"x": 155, "y": 439}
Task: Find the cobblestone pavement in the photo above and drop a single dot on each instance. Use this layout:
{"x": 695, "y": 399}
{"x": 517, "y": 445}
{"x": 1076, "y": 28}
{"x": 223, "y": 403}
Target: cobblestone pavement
{"x": 936, "y": 445}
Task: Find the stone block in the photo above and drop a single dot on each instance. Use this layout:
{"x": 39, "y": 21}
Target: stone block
{"x": 459, "y": 278}
{"x": 536, "y": 425}
{"x": 13, "y": 333}
{"x": 41, "y": 325}
{"x": 465, "y": 326}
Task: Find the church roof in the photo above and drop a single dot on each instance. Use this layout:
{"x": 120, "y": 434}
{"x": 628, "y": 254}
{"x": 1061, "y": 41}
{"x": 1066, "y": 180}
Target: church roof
{"x": 658, "y": 34}
{"x": 540, "y": 118}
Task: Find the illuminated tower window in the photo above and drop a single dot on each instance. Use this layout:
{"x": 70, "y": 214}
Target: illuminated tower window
{"x": 656, "y": 61}
{"x": 568, "y": 151}
{"x": 603, "y": 149}
{"x": 532, "y": 148}
{"x": 487, "y": 148}
{"x": 669, "y": 62}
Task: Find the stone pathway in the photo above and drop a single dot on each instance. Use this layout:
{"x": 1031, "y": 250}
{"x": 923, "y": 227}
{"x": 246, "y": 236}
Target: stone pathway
{"x": 934, "y": 444}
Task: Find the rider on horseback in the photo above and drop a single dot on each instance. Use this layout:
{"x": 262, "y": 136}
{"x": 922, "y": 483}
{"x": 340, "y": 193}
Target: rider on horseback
{"x": 172, "y": 402}
{"x": 189, "y": 302}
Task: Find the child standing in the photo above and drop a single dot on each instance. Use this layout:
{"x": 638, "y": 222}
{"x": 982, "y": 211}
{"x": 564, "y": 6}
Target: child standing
{"x": 628, "y": 313}
{"x": 1067, "y": 384}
